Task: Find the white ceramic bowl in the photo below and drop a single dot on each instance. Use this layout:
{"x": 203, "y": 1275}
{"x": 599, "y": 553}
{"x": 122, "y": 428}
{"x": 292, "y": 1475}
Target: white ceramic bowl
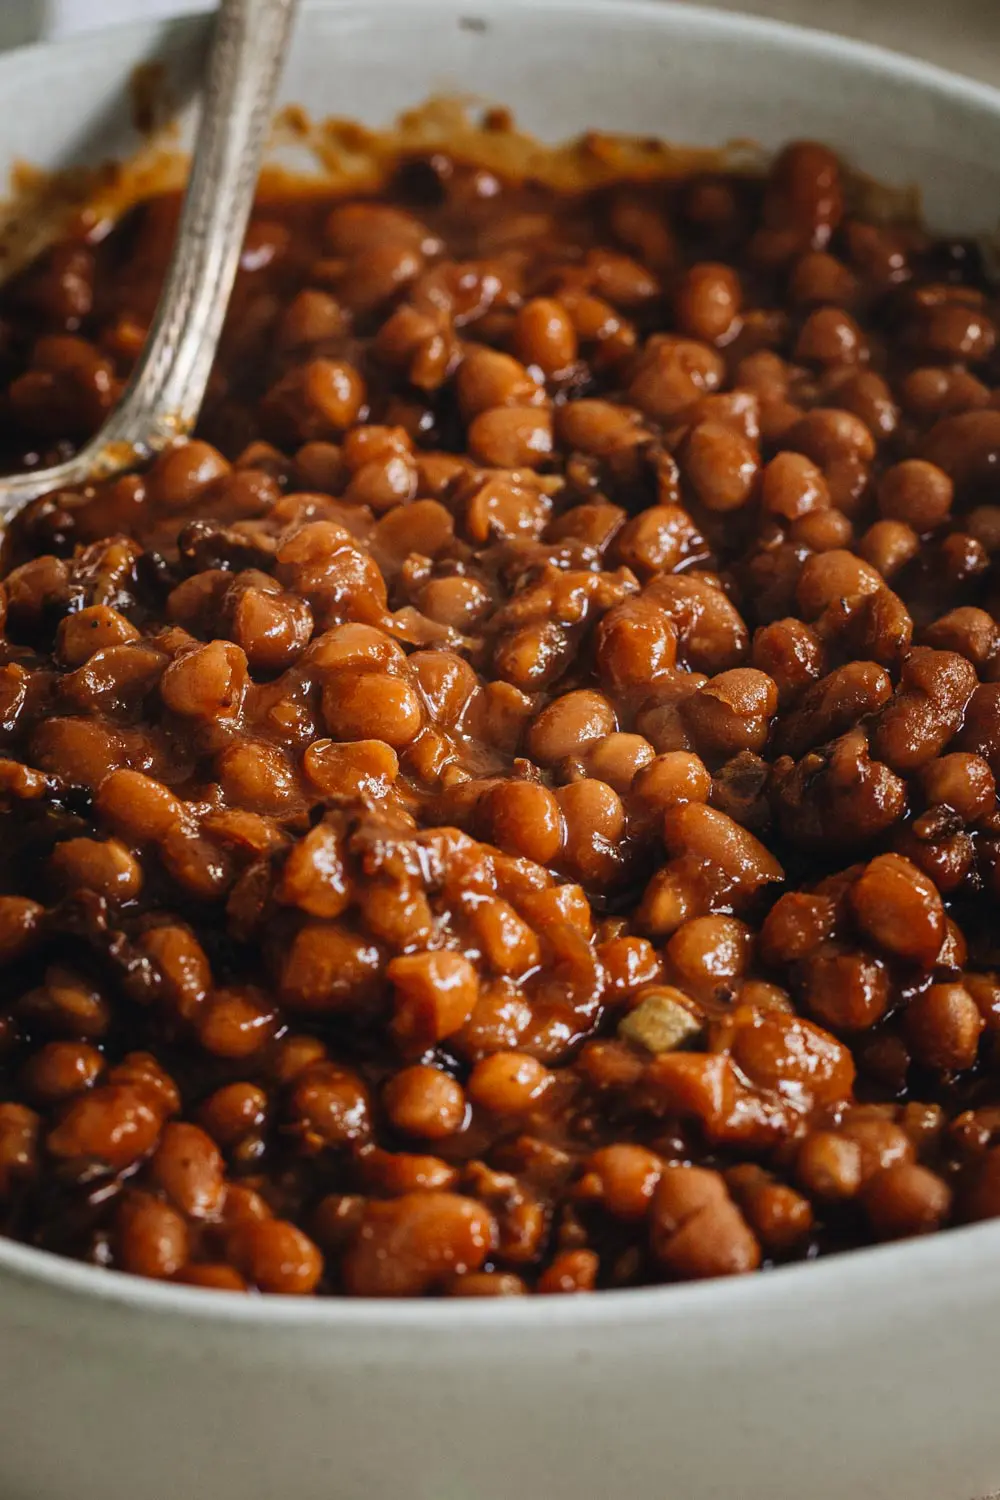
{"x": 866, "y": 1377}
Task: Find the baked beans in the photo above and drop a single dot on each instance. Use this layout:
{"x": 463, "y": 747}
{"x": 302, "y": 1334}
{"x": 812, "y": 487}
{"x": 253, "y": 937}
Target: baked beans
{"x": 510, "y": 806}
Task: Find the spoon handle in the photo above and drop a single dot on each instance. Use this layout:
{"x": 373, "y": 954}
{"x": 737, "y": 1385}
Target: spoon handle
{"x": 168, "y": 386}
{"x": 163, "y": 397}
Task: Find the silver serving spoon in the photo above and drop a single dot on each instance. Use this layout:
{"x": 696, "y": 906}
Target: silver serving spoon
{"x": 164, "y": 395}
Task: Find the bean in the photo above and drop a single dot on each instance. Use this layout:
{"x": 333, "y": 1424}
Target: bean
{"x": 187, "y": 1167}
{"x": 407, "y": 1246}
{"x": 276, "y": 1257}
{"x": 424, "y": 1101}
{"x": 152, "y": 1237}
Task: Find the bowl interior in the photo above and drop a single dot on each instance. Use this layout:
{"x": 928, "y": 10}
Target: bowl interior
{"x": 677, "y": 72}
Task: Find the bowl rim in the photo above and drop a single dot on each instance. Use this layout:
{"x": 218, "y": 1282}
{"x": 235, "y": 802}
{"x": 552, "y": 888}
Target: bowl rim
{"x": 897, "y": 1272}
{"x": 679, "y": 15}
